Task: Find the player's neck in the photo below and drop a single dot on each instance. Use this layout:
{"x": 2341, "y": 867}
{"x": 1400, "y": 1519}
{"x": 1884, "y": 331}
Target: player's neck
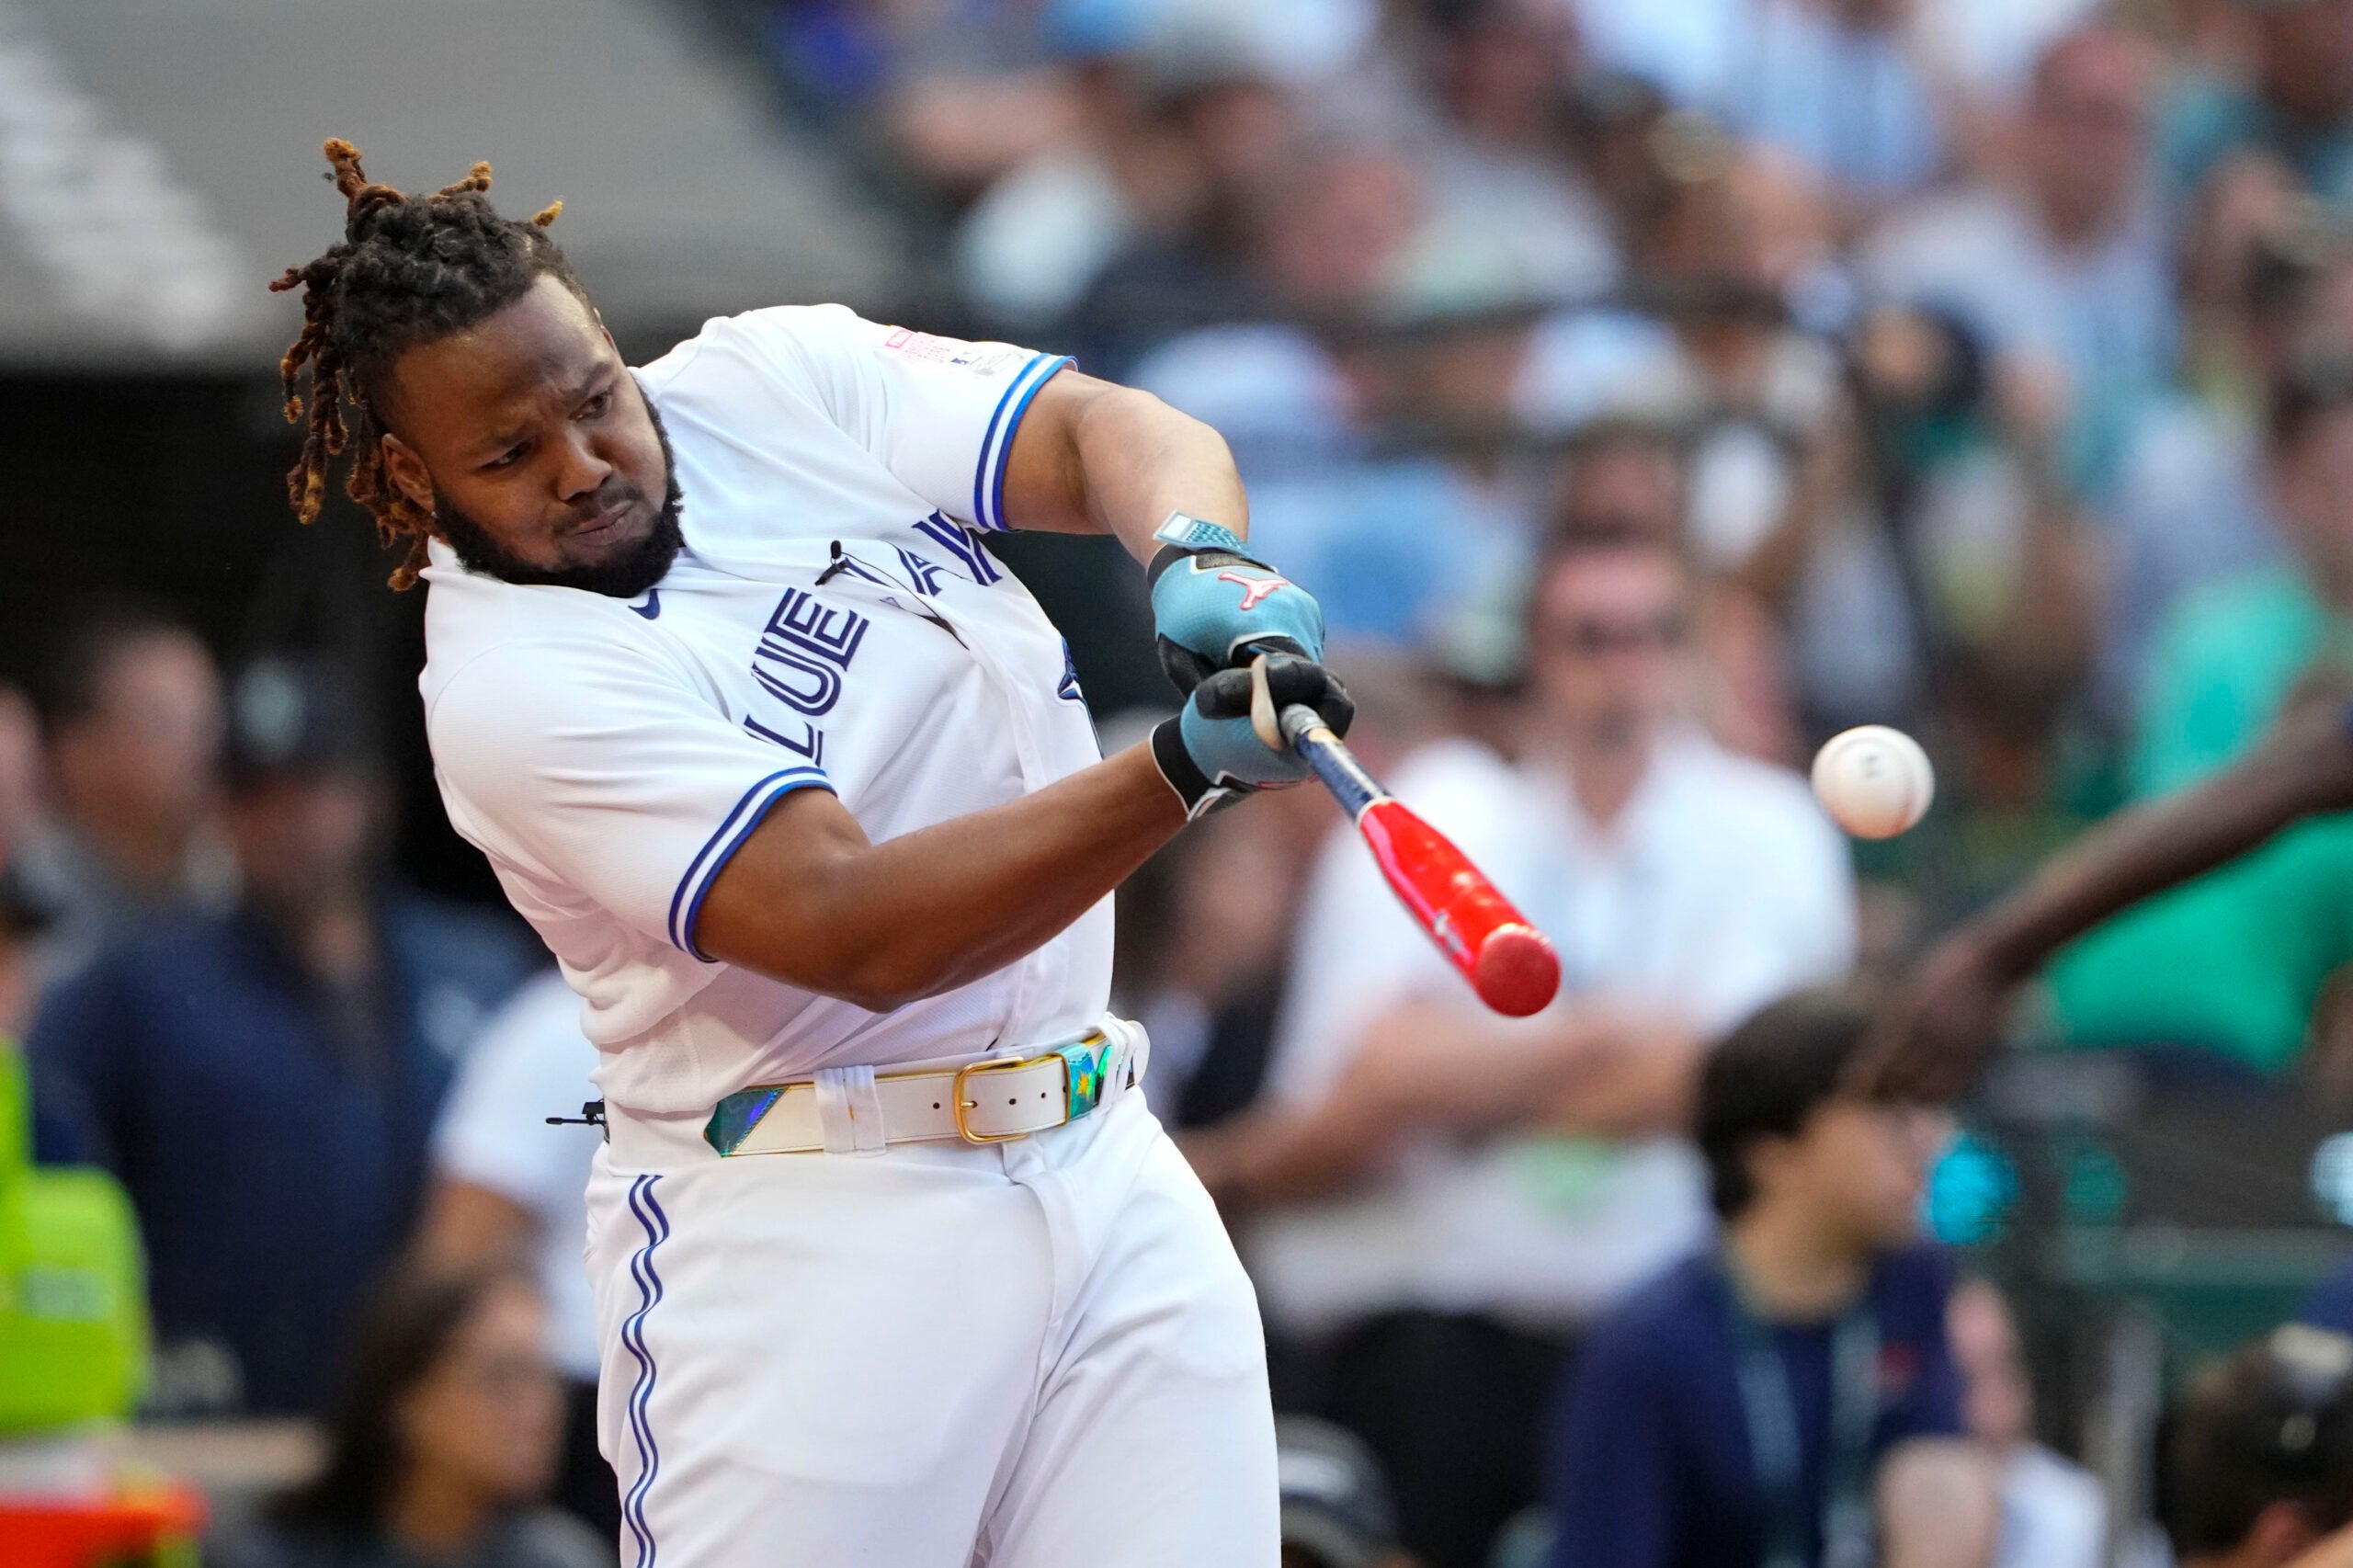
{"x": 1792, "y": 1268}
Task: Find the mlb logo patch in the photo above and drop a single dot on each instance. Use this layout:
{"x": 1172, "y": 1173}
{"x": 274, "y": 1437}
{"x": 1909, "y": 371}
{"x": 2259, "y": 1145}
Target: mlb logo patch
{"x": 950, "y": 351}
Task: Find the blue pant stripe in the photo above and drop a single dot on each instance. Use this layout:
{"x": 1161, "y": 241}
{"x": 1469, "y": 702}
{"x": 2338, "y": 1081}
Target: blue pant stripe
{"x": 656, "y": 1225}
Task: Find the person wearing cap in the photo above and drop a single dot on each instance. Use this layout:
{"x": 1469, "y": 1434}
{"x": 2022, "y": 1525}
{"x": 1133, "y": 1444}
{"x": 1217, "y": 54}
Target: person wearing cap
{"x": 264, "y": 1080}
{"x": 2258, "y": 1464}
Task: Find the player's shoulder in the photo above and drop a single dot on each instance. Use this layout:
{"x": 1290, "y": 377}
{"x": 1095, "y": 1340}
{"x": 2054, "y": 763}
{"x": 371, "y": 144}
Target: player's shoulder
{"x": 772, "y": 331}
{"x": 537, "y": 659}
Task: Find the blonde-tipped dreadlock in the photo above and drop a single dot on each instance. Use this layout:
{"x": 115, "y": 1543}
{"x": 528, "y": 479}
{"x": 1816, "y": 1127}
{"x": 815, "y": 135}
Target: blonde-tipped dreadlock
{"x": 410, "y": 269}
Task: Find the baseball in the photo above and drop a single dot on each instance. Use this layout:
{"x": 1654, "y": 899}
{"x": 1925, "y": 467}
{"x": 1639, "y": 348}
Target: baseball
{"x": 1875, "y": 782}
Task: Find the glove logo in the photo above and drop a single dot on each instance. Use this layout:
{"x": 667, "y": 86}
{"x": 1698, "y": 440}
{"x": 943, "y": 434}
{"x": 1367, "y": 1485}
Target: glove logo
{"x": 1253, "y": 589}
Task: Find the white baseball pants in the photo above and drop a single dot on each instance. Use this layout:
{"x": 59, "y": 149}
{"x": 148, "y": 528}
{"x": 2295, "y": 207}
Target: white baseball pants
{"x": 1041, "y": 1354}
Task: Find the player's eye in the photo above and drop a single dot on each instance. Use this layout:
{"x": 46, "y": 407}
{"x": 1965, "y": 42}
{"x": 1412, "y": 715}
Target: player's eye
{"x": 596, "y": 406}
{"x": 506, "y": 458}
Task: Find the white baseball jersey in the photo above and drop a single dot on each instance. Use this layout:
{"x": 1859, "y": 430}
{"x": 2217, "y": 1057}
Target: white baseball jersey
{"x": 833, "y": 624}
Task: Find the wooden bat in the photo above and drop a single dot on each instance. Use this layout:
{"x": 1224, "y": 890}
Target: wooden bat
{"x": 1508, "y": 962}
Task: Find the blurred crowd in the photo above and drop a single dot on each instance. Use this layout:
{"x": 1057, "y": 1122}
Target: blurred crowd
{"x": 1647, "y": 391}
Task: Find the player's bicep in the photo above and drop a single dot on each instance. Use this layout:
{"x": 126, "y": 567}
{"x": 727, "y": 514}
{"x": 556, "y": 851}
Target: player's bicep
{"x": 1045, "y": 482}
{"x": 767, "y": 908}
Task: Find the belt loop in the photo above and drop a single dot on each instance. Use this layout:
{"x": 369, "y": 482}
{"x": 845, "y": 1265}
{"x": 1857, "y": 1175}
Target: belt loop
{"x": 1129, "y": 1051}
{"x": 849, "y": 1112}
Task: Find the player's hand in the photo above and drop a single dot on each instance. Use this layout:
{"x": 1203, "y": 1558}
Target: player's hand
{"x": 1941, "y": 1028}
{"x": 1210, "y": 754}
{"x": 1213, "y": 605}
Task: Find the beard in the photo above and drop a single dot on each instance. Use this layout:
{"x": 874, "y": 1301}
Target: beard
{"x": 623, "y": 574}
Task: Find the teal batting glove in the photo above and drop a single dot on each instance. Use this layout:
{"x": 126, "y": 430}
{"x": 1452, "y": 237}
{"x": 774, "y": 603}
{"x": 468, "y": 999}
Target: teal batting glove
{"x": 1211, "y": 756}
{"x": 1214, "y": 606}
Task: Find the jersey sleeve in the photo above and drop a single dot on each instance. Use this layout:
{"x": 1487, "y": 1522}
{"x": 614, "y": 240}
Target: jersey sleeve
{"x": 592, "y": 766}
{"x": 940, "y": 412}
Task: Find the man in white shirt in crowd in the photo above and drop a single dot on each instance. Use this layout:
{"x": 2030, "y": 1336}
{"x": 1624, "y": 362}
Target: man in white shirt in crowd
{"x": 507, "y": 1185}
{"x": 1448, "y": 1195}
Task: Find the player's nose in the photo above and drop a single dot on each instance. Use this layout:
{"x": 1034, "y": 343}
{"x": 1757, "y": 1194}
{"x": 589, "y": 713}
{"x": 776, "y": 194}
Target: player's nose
{"x": 581, "y": 470}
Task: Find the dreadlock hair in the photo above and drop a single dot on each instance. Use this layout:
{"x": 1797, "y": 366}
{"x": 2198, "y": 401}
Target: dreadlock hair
{"x": 410, "y": 269}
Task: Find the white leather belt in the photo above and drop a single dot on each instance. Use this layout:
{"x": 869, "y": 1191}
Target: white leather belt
{"x": 993, "y": 1100}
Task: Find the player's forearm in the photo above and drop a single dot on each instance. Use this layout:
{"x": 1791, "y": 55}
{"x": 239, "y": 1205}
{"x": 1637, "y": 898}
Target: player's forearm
{"x": 1092, "y": 457}
{"x": 808, "y": 900}
{"x": 1140, "y": 460}
{"x": 2306, "y": 766}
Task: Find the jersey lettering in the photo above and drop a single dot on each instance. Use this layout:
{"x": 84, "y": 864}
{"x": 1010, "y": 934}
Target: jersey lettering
{"x": 811, "y": 743}
{"x": 926, "y": 574}
{"x": 964, "y": 545}
{"x": 802, "y": 652}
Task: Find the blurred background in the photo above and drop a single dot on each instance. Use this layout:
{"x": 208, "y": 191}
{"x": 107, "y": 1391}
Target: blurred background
{"x": 1649, "y": 390}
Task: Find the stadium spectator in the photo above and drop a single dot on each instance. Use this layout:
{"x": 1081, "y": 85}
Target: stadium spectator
{"x": 1626, "y": 479}
{"x": 1449, "y": 1194}
{"x": 2189, "y": 506}
{"x": 441, "y": 1444}
{"x": 1852, "y": 89}
{"x": 129, "y": 703}
{"x": 2296, "y": 105}
{"x": 1789, "y": 1397}
{"x": 507, "y": 1187}
{"x": 23, "y": 787}
{"x": 1509, "y": 216}
{"x": 2053, "y": 1514}
{"x": 2067, "y": 259}
{"x": 2222, "y": 964}
{"x": 2258, "y": 1464}
{"x": 264, "y": 1080}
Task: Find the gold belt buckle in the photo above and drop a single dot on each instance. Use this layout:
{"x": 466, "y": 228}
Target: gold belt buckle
{"x": 992, "y": 1064}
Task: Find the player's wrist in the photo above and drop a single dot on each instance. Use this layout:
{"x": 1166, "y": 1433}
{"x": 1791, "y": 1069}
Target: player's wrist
{"x": 1193, "y": 787}
{"x": 1185, "y": 537}
{"x": 1215, "y": 604}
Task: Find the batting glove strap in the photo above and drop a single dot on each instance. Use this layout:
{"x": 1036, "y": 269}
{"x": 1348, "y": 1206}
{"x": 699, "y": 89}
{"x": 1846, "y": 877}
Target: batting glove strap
{"x": 1183, "y": 776}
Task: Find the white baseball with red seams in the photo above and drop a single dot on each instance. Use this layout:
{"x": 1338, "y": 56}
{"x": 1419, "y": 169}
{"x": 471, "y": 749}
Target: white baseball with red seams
{"x": 1874, "y": 781}
{"x": 1041, "y": 1354}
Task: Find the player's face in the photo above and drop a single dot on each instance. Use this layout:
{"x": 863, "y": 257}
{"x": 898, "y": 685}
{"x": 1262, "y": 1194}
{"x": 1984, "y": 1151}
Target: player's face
{"x": 528, "y": 438}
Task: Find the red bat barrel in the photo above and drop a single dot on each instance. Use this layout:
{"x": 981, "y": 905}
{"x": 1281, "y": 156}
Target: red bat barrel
{"x": 1509, "y": 963}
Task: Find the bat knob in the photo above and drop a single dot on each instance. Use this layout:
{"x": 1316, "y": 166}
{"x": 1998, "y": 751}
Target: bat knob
{"x": 1517, "y": 971}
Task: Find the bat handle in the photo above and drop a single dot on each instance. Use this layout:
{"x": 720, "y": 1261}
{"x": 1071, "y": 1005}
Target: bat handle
{"x": 1304, "y": 729}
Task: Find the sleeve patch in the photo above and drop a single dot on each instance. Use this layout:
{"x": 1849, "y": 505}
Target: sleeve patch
{"x": 981, "y": 359}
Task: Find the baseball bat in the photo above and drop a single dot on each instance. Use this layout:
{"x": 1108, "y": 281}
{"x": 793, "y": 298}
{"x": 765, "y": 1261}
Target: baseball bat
{"x": 1508, "y": 962}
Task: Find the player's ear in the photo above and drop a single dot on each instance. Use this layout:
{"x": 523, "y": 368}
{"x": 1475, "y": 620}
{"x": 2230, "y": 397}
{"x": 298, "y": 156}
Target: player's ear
{"x": 407, "y": 472}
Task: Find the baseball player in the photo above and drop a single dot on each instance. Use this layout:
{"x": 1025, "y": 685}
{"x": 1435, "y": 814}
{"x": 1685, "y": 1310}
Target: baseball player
{"x": 892, "y": 1265}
